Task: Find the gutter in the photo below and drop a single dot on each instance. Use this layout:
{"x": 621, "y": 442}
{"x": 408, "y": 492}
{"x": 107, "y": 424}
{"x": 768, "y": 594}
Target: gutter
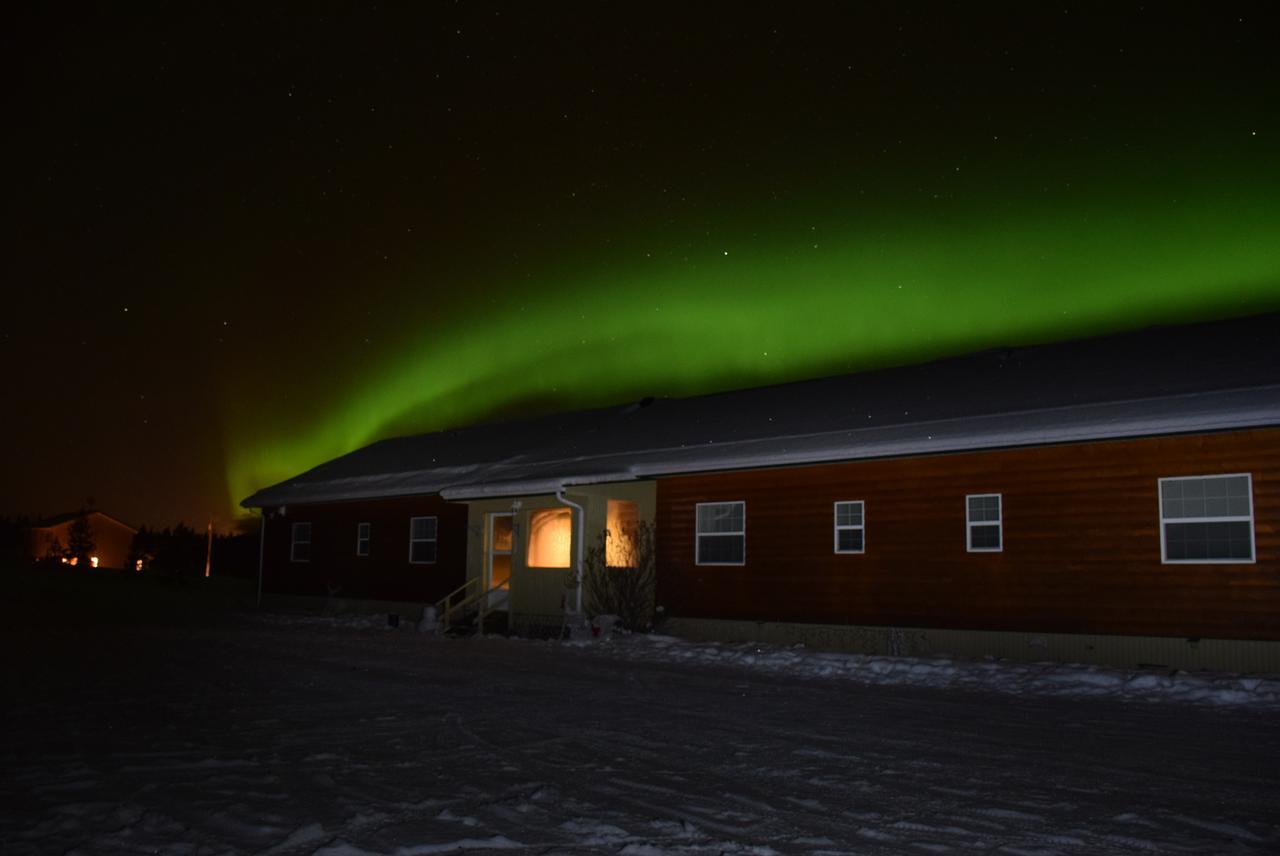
{"x": 578, "y": 535}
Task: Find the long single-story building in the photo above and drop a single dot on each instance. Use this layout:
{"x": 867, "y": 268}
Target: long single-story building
{"x": 1113, "y": 499}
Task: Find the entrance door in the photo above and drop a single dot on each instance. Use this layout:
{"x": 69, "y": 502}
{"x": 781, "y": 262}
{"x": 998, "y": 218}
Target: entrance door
{"x": 498, "y": 560}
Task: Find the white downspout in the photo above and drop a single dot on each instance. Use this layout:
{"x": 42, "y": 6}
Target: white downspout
{"x": 577, "y": 540}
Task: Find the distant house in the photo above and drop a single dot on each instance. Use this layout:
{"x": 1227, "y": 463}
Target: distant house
{"x": 1114, "y": 499}
{"x": 112, "y": 538}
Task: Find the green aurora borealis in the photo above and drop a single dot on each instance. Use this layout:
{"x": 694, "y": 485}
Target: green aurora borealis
{"x": 247, "y": 240}
{"x": 815, "y": 296}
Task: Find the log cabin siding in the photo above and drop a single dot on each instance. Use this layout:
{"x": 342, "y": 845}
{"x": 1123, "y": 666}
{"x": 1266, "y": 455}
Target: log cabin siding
{"x": 1081, "y": 542}
{"x": 386, "y": 573}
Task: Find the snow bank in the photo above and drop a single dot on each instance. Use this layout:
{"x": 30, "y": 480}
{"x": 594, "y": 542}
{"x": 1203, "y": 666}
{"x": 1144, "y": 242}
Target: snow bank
{"x": 1221, "y": 689}
{"x": 1003, "y": 676}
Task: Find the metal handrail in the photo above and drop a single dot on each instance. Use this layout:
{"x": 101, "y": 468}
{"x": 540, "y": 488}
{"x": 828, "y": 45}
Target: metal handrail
{"x": 445, "y": 608}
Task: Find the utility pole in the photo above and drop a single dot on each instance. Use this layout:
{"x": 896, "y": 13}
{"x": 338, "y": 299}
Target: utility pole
{"x": 208, "y": 550}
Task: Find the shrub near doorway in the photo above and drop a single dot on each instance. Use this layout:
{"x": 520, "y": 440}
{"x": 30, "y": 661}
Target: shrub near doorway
{"x": 625, "y": 589}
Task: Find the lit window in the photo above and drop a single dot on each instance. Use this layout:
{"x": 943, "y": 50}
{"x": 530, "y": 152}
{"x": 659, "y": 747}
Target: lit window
{"x": 550, "y": 537}
{"x": 422, "y": 540}
{"x": 300, "y": 543}
{"x": 1206, "y": 519}
{"x": 363, "y": 531}
{"x": 721, "y": 533}
{"x": 984, "y": 522}
{"x": 849, "y": 527}
{"x": 621, "y": 520}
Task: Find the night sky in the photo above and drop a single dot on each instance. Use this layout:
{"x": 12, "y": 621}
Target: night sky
{"x": 244, "y": 242}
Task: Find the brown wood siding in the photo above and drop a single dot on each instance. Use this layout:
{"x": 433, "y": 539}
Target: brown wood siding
{"x": 1081, "y": 542}
{"x": 385, "y": 574}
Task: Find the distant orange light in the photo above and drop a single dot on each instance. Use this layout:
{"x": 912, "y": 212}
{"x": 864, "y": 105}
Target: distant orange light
{"x": 64, "y": 560}
{"x": 137, "y": 564}
{"x": 75, "y": 560}
{"x": 93, "y": 560}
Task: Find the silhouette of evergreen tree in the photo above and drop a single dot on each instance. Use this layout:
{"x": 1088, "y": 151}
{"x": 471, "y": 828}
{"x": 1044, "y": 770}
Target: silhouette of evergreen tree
{"x": 80, "y": 543}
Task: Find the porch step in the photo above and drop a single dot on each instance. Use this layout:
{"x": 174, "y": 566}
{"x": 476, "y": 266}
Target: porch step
{"x": 495, "y": 624}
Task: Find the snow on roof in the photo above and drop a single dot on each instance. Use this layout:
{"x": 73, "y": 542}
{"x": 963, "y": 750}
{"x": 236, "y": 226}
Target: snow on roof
{"x": 1160, "y": 380}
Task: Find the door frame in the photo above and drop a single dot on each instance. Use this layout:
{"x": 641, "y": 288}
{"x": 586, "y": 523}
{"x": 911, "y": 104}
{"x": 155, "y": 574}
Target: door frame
{"x": 489, "y": 551}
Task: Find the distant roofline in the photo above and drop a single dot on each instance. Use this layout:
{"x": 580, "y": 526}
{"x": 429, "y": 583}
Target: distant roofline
{"x": 67, "y": 517}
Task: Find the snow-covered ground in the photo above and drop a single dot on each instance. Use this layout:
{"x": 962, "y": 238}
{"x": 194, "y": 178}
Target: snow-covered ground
{"x": 282, "y": 735}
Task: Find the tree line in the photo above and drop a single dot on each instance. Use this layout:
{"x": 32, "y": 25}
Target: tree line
{"x": 178, "y": 551}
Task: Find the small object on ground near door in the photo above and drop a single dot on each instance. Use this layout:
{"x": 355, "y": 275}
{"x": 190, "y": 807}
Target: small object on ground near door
{"x": 428, "y": 622}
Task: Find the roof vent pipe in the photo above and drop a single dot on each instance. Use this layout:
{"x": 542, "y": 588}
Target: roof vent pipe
{"x": 579, "y": 520}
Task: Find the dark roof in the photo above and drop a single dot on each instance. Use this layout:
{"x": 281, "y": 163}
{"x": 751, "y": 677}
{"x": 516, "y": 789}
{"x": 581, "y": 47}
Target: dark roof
{"x": 1159, "y": 380}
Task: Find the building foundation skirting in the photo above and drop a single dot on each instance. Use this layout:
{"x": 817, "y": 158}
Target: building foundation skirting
{"x": 537, "y": 625}
{"x": 1190, "y": 654}
{"x": 410, "y": 611}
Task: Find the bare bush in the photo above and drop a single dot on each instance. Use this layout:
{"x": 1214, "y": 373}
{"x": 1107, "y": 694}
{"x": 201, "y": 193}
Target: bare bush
{"x": 627, "y": 588}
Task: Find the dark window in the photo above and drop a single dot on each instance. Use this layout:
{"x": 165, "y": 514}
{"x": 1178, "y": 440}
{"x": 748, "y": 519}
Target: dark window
{"x": 300, "y": 543}
{"x": 422, "y": 540}
{"x": 849, "y": 527}
{"x": 1207, "y": 518}
{"x": 721, "y": 533}
{"x": 984, "y": 520}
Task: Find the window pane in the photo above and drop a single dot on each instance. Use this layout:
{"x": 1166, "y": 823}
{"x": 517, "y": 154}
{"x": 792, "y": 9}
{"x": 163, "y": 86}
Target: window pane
{"x": 849, "y": 513}
{"x": 849, "y": 540}
{"x": 1204, "y": 541}
{"x": 721, "y": 517}
{"x": 1210, "y": 496}
{"x": 621, "y": 520}
{"x": 984, "y": 537}
{"x": 1237, "y": 485}
{"x": 302, "y": 551}
{"x": 1217, "y": 506}
{"x": 550, "y": 538}
{"x": 424, "y": 527}
{"x": 984, "y": 508}
{"x": 721, "y": 549}
{"x": 503, "y": 529}
{"x": 423, "y": 551}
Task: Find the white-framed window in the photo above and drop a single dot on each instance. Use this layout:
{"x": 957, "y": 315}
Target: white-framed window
{"x": 422, "y": 540}
{"x": 364, "y": 532}
{"x": 720, "y": 533}
{"x": 300, "y": 542}
{"x": 1206, "y": 519}
{"x": 984, "y": 523}
{"x": 849, "y": 527}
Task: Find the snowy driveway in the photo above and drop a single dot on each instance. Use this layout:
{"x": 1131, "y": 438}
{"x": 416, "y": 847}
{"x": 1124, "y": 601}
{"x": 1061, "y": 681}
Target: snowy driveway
{"x": 252, "y": 737}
